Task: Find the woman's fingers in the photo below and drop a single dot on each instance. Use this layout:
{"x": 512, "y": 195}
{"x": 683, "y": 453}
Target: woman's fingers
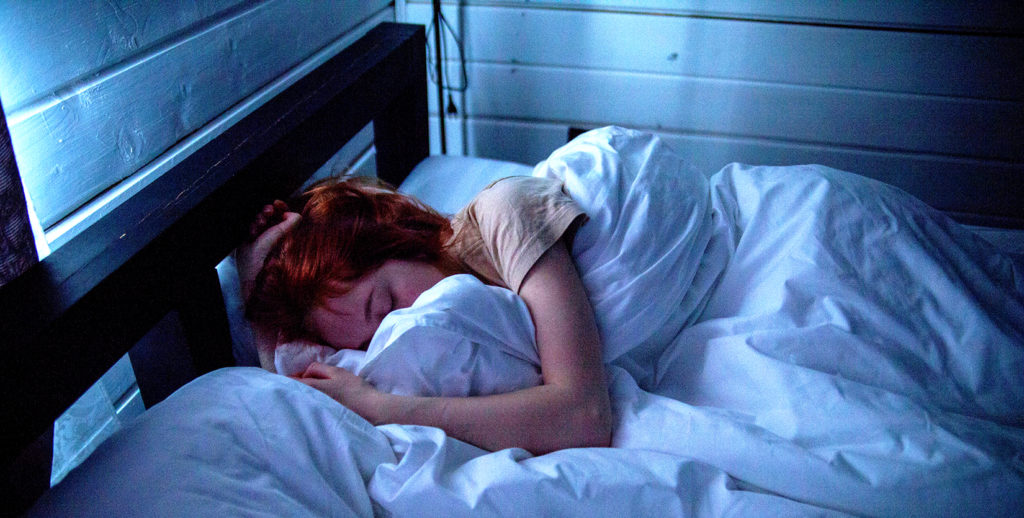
{"x": 317, "y": 370}
{"x": 269, "y": 215}
{"x": 346, "y": 388}
{"x": 268, "y": 236}
{"x": 251, "y": 256}
{"x": 287, "y": 221}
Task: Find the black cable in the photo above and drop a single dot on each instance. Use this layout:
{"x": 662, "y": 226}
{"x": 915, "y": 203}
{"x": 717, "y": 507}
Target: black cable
{"x": 440, "y": 74}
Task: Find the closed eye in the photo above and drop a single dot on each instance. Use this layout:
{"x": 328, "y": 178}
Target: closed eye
{"x": 378, "y": 305}
{"x": 390, "y": 305}
{"x": 369, "y": 305}
{"x": 384, "y": 305}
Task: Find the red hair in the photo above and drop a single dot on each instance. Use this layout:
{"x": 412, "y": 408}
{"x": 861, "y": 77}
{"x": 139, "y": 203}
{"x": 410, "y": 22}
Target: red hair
{"x": 349, "y": 227}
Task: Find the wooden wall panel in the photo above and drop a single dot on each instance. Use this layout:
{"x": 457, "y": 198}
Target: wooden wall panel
{"x": 96, "y": 131}
{"x": 958, "y": 15}
{"x": 926, "y": 175}
{"x": 102, "y": 204}
{"x": 927, "y": 97}
{"x": 813, "y": 55}
{"x": 63, "y": 42}
{"x": 791, "y": 113}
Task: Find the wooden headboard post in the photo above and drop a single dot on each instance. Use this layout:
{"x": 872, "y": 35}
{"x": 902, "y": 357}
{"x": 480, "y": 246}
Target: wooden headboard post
{"x": 69, "y": 318}
{"x": 400, "y": 129}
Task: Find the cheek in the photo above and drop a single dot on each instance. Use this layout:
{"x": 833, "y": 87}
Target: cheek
{"x": 406, "y": 295}
{"x": 340, "y": 333}
{"x": 404, "y": 298}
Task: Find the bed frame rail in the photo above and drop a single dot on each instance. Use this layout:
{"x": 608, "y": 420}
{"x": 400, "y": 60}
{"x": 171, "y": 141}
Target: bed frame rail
{"x": 69, "y": 318}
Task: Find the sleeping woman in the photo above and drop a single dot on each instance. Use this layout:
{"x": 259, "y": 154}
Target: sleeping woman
{"x": 360, "y": 250}
{"x": 758, "y": 293}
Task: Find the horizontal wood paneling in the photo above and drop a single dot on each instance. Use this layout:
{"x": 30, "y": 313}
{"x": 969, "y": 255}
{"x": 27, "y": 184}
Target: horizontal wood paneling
{"x": 938, "y": 15}
{"x": 48, "y": 45}
{"x": 89, "y": 135}
{"x": 926, "y": 96}
{"x": 983, "y": 67}
{"x": 939, "y": 181}
{"x": 96, "y": 208}
{"x": 805, "y": 114}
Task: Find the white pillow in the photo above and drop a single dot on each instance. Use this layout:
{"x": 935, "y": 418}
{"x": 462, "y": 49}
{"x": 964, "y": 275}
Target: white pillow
{"x": 459, "y": 338}
{"x": 449, "y": 183}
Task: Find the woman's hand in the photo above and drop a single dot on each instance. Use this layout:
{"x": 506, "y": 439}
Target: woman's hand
{"x": 344, "y": 387}
{"x": 270, "y": 225}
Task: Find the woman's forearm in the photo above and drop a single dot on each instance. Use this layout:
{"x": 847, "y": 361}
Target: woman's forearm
{"x": 539, "y": 419}
{"x": 570, "y": 409}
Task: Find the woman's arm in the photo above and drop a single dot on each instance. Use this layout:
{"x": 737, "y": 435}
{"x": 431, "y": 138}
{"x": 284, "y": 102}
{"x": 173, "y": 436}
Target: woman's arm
{"x": 270, "y": 225}
{"x": 570, "y": 409}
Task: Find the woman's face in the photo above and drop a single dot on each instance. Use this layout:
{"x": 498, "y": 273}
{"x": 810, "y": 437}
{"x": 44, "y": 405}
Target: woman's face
{"x": 349, "y": 320}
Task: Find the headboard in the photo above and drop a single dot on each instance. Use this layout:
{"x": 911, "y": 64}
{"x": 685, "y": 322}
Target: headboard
{"x": 69, "y": 318}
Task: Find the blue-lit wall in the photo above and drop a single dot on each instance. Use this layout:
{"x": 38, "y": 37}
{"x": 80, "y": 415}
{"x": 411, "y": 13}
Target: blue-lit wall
{"x": 925, "y": 95}
{"x": 921, "y": 94}
{"x": 102, "y": 96}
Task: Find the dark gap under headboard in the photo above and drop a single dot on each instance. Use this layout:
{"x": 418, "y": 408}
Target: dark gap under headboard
{"x": 68, "y": 319}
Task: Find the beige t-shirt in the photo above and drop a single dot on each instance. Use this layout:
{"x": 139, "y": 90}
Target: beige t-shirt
{"x": 502, "y": 233}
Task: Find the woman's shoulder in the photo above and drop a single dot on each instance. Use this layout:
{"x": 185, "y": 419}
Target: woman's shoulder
{"x": 510, "y": 224}
{"x": 519, "y": 191}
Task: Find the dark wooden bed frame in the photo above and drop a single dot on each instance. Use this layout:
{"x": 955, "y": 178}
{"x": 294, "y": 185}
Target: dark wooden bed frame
{"x": 73, "y": 315}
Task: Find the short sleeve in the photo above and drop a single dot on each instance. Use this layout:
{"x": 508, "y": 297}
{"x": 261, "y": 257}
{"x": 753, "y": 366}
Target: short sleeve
{"x": 502, "y": 233}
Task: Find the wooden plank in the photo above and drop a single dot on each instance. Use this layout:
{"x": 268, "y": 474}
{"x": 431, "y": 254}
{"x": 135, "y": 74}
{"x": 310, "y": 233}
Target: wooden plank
{"x": 939, "y": 113}
{"x": 400, "y": 129}
{"x": 76, "y": 144}
{"x": 41, "y": 52}
{"x": 984, "y": 67}
{"x": 98, "y": 207}
{"x": 456, "y": 133}
{"x": 204, "y": 319}
{"x": 80, "y": 309}
{"x": 24, "y": 480}
{"x": 526, "y": 142}
{"x": 955, "y": 185}
{"x": 946, "y": 15}
{"x": 821, "y": 116}
{"x": 160, "y": 360}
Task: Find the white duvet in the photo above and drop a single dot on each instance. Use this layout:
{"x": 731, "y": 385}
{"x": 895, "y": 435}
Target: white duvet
{"x": 780, "y": 341}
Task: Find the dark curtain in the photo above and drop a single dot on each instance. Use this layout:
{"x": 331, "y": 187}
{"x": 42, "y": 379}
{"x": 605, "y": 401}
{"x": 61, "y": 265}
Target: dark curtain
{"x": 17, "y": 249}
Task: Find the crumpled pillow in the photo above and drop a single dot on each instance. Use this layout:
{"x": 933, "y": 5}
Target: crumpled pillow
{"x": 459, "y": 338}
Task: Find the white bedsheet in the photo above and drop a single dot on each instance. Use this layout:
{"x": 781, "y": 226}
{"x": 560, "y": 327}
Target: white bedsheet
{"x": 841, "y": 349}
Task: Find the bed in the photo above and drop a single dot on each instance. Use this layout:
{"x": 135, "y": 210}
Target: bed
{"x": 727, "y": 399}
